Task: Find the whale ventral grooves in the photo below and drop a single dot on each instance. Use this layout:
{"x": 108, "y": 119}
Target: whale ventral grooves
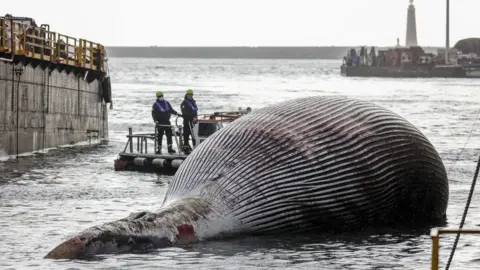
{"x": 308, "y": 164}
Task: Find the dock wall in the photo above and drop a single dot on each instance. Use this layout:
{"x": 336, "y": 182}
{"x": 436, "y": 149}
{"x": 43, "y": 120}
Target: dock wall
{"x": 46, "y": 107}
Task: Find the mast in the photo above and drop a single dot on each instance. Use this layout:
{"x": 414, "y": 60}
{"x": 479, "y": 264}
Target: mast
{"x": 447, "y": 37}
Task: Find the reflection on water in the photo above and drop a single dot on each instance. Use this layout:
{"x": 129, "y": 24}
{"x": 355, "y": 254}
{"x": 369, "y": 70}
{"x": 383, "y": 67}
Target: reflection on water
{"x": 45, "y": 200}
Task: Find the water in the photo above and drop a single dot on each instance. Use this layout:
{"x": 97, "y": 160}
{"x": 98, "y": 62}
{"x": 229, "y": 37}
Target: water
{"x": 56, "y": 199}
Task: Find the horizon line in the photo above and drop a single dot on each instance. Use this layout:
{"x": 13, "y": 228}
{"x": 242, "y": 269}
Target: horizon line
{"x": 264, "y": 46}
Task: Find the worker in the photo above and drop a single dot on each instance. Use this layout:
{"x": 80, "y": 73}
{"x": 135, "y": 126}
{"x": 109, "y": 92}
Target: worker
{"x": 189, "y": 112}
{"x": 161, "y": 112}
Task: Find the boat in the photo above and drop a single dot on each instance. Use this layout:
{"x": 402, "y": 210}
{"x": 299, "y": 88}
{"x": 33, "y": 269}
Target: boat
{"x": 400, "y": 62}
{"x": 143, "y": 158}
{"x": 472, "y": 67}
{"x": 54, "y": 88}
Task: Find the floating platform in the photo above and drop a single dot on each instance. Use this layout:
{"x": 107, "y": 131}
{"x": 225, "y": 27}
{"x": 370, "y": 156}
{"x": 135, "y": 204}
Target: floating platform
{"x": 141, "y": 159}
{"x": 166, "y": 164}
{"x": 144, "y": 156}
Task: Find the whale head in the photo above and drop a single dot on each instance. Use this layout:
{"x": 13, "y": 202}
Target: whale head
{"x": 114, "y": 237}
{"x": 177, "y": 223}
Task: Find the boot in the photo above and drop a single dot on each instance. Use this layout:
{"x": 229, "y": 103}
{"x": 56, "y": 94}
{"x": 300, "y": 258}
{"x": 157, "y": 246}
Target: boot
{"x": 187, "y": 149}
{"x": 170, "y": 149}
{"x": 159, "y": 150}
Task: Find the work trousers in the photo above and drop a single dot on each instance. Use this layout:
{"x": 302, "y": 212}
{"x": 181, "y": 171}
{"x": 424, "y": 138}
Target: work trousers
{"x": 168, "y": 132}
{"x": 187, "y": 133}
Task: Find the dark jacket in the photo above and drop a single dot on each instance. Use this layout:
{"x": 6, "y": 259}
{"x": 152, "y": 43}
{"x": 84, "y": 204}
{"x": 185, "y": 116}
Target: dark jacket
{"x": 189, "y": 109}
{"x": 163, "y": 117}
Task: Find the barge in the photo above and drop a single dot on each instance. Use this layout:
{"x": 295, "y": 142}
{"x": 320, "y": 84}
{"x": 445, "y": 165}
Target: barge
{"x": 54, "y": 88}
{"x": 401, "y": 62}
{"x": 139, "y": 153}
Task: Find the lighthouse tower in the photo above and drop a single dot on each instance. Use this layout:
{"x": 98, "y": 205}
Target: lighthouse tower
{"x": 411, "y": 39}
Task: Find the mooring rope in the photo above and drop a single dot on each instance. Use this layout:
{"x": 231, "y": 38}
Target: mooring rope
{"x": 465, "y": 145}
{"x": 462, "y": 222}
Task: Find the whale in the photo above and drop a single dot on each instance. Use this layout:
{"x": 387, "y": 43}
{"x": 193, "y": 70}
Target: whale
{"x": 318, "y": 163}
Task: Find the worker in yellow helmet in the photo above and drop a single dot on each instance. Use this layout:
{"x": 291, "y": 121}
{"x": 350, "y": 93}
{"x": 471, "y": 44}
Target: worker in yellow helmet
{"x": 161, "y": 112}
{"x": 190, "y": 112}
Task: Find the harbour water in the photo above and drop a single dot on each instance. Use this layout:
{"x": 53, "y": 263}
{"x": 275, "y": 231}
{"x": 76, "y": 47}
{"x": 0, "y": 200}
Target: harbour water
{"x": 48, "y": 200}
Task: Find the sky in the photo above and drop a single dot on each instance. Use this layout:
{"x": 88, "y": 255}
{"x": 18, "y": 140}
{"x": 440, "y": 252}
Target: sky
{"x": 251, "y": 22}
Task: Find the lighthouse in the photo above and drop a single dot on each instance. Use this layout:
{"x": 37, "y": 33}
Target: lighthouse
{"x": 411, "y": 39}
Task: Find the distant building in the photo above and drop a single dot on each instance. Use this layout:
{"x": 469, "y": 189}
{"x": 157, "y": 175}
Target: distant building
{"x": 452, "y": 56}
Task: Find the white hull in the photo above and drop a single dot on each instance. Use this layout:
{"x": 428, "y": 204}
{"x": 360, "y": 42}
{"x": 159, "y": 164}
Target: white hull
{"x": 473, "y": 72}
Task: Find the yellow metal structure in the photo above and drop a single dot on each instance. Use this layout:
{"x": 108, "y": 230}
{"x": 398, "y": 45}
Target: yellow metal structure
{"x": 435, "y": 234}
{"x": 41, "y": 43}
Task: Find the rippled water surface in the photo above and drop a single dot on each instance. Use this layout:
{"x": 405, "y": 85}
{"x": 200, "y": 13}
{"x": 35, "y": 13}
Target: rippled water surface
{"x": 60, "y": 197}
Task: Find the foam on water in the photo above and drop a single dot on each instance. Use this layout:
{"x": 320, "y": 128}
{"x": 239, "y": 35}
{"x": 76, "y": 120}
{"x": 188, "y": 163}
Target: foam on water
{"x": 57, "y": 198}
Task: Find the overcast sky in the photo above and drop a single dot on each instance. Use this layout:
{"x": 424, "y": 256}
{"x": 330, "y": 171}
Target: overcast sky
{"x": 251, "y": 23}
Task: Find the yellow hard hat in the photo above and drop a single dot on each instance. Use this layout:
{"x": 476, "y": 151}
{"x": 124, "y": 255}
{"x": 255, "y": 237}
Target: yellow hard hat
{"x": 159, "y": 94}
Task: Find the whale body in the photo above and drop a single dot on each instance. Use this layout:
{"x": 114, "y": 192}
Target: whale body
{"x": 314, "y": 163}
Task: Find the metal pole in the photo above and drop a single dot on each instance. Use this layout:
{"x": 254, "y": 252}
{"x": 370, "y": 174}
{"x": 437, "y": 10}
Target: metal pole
{"x": 194, "y": 138}
{"x": 155, "y": 135}
{"x": 180, "y": 139}
{"x": 130, "y": 139}
{"x": 18, "y": 109}
{"x": 18, "y": 72}
{"x": 174, "y": 133}
{"x": 146, "y": 142}
{"x": 435, "y": 251}
{"x": 447, "y": 38}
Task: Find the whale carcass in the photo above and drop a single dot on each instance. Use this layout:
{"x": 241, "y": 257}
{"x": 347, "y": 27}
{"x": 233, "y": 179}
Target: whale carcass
{"x": 313, "y": 163}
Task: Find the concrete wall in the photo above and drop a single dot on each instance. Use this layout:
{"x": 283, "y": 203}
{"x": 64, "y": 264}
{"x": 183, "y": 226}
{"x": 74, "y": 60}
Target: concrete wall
{"x": 53, "y": 109}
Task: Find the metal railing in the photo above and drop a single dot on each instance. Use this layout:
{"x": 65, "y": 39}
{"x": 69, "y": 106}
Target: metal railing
{"x": 143, "y": 138}
{"x": 41, "y": 43}
{"x": 435, "y": 234}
